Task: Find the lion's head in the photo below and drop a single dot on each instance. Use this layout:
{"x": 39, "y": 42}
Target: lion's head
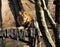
{"x": 24, "y": 18}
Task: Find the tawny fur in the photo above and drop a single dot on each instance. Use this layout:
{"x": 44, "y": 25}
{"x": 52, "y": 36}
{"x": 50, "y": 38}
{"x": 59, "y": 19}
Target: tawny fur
{"x": 24, "y": 18}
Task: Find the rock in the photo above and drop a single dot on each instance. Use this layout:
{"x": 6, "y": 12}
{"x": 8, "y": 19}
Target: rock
{"x": 7, "y": 16}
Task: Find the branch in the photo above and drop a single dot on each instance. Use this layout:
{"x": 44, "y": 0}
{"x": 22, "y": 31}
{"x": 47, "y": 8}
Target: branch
{"x": 53, "y": 24}
{"x": 48, "y": 14}
{"x": 42, "y": 22}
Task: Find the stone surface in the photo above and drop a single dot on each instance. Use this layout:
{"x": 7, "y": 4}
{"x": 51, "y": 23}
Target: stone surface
{"x": 8, "y": 19}
{"x": 7, "y": 16}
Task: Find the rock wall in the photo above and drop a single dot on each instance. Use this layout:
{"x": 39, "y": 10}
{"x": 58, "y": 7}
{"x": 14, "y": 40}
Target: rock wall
{"x": 7, "y": 16}
{"x": 8, "y": 19}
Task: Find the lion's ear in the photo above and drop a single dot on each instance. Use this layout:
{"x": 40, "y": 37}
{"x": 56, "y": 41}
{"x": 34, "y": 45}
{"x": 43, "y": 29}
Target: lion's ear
{"x": 20, "y": 13}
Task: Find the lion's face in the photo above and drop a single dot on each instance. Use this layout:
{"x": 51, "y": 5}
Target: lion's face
{"x": 26, "y": 17}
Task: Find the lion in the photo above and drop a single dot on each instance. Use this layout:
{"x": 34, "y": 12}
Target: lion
{"x": 24, "y": 19}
